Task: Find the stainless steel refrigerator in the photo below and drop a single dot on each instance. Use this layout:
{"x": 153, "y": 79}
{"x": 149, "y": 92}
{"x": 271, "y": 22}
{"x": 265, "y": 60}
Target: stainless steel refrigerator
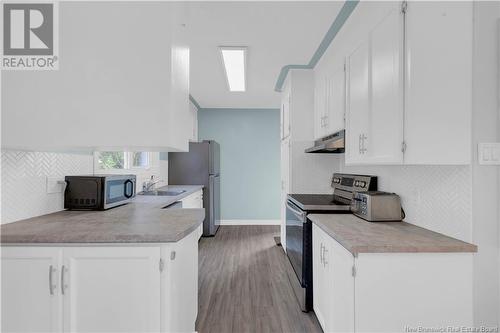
{"x": 200, "y": 166}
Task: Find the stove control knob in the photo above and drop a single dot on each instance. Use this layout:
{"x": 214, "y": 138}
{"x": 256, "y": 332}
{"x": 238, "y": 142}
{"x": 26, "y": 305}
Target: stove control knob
{"x": 362, "y": 184}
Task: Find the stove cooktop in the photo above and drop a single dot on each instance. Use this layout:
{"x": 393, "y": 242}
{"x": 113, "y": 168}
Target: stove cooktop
{"x": 324, "y": 202}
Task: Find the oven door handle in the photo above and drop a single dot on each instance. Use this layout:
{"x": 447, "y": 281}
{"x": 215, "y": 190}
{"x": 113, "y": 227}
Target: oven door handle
{"x": 296, "y": 211}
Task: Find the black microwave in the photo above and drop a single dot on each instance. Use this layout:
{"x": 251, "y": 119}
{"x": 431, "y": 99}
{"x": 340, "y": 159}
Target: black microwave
{"x": 98, "y": 192}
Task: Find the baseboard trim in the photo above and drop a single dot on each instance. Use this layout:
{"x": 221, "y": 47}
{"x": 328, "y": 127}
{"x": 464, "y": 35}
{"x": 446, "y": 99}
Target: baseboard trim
{"x": 249, "y": 222}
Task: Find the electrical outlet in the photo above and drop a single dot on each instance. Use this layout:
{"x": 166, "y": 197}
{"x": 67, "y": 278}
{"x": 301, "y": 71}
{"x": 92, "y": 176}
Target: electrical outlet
{"x": 489, "y": 153}
{"x": 55, "y": 184}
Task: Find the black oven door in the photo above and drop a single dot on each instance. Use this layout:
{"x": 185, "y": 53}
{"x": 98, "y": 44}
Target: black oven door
{"x": 297, "y": 240}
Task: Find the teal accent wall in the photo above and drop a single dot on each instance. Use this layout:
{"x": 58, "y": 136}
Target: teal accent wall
{"x": 249, "y": 160}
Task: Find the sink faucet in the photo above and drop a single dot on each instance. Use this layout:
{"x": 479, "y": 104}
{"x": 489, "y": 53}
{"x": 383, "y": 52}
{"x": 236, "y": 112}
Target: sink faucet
{"x": 150, "y": 185}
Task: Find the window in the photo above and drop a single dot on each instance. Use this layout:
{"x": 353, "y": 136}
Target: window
{"x": 113, "y": 160}
{"x": 140, "y": 159}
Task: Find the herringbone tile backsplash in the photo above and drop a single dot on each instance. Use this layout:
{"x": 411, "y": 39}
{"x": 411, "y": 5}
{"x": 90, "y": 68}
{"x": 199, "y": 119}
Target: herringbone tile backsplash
{"x": 24, "y": 181}
{"x": 434, "y": 197}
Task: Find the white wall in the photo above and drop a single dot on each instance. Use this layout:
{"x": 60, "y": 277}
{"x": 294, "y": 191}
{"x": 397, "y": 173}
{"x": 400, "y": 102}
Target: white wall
{"x": 485, "y": 179}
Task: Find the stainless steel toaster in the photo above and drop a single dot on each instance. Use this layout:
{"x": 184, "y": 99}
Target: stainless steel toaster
{"x": 377, "y": 206}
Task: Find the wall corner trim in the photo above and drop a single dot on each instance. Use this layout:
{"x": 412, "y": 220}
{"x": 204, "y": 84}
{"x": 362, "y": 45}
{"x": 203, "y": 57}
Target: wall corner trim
{"x": 337, "y": 24}
{"x": 195, "y": 102}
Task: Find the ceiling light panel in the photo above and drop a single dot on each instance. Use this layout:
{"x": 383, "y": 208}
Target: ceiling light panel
{"x": 234, "y": 61}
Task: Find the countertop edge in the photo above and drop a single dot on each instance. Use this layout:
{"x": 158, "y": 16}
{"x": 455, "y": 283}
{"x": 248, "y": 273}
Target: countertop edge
{"x": 179, "y": 236}
{"x": 363, "y": 249}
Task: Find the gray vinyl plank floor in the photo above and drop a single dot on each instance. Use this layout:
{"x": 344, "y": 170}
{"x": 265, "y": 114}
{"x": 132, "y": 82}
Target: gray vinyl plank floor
{"x": 243, "y": 285}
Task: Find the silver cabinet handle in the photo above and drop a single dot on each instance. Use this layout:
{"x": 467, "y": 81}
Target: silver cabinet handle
{"x": 324, "y": 257}
{"x": 63, "y": 283}
{"x": 52, "y": 286}
{"x": 321, "y": 253}
{"x": 359, "y": 145}
{"x": 363, "y": 138}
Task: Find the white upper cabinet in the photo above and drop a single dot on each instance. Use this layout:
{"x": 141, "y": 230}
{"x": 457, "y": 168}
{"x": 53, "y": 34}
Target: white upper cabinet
{"x": 119, "y": 86}
{"x": 438, "y": 106}
{"x": 329, "y": 102}
{"x": 285, "y": 115}
{"x": 297, "y": 105}
{"x": 358, "y": 103}
{"x": 319, "y": 106}
{"x": 374, "y": 117}
{"x": 336, "y": 101}
{"x": 383, "y": 146}
{"x": 409, "y": 84}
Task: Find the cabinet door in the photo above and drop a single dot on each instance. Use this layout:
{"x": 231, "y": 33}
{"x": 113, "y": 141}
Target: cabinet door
{"x": 194, "y": 200}
{"x": 340, "y": 264}
{"x": 285, "y": 187}
{"x": 335, "y": 110}
{"x": 31, "y": 301}
{"x": 438, "y": 94}
{"x": 180, "y": 281}
{"x": 320, "y": 282}
{"x": 319, "y": 106}
{"x": 194, "y": 120}
{"x": 358, "y": 104}
{"x": 285, "y": 116}
{"x": 384, "y": 139}
{"x": 111, "y": 289}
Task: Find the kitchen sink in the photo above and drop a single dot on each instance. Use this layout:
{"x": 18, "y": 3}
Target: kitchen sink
{"x": 162, "y": 193}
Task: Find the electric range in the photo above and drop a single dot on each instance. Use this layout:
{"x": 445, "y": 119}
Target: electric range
{"x": 299, "y": 227}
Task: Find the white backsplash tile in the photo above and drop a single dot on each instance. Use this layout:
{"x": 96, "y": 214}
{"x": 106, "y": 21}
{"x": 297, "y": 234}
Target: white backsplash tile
{"x": 434, "y": 197}
{"x": 24, "y": 181}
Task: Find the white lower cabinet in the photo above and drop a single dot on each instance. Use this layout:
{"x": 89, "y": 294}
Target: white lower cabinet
{"x": 30, "y": 298}
{"x": 101, "y": 288}
{"x": 180, "y": 284}
{"x": 333, "y": 284}
{"x": 389, "y": 292}
{"x": 111, "y": 289}
{"x": 194, "y": 200}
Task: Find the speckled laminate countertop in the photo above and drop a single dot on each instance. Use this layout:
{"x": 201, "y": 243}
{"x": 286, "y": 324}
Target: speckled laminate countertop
{"x": 141, "y": 221}
{"x": 360, "y": 236}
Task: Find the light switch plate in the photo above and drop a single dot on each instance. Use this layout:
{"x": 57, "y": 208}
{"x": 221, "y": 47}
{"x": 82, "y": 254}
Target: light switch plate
{"x": 55, "y": 184}
{"x": 489, "y": 153}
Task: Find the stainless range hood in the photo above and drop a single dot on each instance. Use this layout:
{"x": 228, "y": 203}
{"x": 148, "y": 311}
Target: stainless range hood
{"x": 331, "y": 144}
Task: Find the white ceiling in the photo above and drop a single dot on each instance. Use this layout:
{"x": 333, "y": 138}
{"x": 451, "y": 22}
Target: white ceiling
{"x": 276, "y": 34}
